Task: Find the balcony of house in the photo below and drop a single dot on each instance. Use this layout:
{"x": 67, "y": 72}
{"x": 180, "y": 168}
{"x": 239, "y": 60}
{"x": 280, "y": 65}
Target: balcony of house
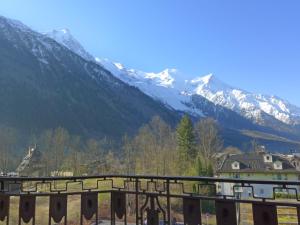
{"x": 147, "y": 200}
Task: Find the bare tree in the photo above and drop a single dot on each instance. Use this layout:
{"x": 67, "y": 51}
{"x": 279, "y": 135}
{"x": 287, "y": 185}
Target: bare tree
{"x": 7, "y": 144}
{"x": 155, "y": 148}
{"x": 74, "y": 154}
{"x": 209, "y": 141}
{"x": 129, "y": 155}
{"x": 60, "y": 141}
{"x": 45, "y": 143}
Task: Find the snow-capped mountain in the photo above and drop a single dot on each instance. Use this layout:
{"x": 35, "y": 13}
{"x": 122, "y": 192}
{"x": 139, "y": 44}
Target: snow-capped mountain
{"x": 248, "y": 104}
{"x": 171, "y": 88}
{"x": 161, "y": 86}
{"x": 44, "y": 85}
{"x": 50, "y": 80}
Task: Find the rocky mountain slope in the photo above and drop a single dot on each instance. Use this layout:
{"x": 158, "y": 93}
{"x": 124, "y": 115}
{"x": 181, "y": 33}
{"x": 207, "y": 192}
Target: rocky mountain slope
{"x": 45, "y": 85}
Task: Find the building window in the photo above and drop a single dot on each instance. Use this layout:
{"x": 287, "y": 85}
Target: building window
{"x": 278, "y": 165}
{"x": 267, "y": 158}
{"x": 235, "y": 165}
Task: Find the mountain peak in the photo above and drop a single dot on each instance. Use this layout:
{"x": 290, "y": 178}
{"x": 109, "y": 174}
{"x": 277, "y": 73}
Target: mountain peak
{"x": 204, "y": 79}
{"x": 164, "y": 78}
{"x": 168, "y": 74}
{"x": 64, "y": 37}
{"x": 208, "y": 78}
{"x": 209, "y": 81}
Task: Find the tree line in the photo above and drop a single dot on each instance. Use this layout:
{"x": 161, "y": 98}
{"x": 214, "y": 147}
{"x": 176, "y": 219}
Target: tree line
{"x": 156, "y": 149}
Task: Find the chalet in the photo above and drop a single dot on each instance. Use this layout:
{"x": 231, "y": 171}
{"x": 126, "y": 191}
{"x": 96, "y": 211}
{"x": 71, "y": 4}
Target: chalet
{"x": 258, "y": 166}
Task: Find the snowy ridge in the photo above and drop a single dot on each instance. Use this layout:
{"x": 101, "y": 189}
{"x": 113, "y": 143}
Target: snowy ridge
{"x": 65, "y": 38}
{"x": 170, "y": 87}
{"x": 246, "y": 103}
{"x": 159, "y": 86}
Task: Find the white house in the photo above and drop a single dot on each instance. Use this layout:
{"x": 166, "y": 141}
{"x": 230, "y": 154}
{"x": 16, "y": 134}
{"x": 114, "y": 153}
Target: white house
{"x": 259, "y": 166}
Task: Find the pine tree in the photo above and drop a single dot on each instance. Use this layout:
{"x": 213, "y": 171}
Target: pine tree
{"x": 185, "y": 143}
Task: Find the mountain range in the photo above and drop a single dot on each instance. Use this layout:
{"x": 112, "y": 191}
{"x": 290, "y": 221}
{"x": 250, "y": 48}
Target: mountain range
{"x": 50, "y": 77}
{"x": 172, "y": 88}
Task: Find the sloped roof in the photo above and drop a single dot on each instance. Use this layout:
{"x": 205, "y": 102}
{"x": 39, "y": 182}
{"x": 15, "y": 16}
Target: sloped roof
{"x": 254, "y": 162}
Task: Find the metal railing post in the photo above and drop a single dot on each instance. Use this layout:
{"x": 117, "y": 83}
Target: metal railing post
{"x": 168, "y": 202}
{"x": 137, "y": 201}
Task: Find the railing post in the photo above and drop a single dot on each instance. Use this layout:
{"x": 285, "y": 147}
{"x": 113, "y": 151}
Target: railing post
{"x": 112, "y": 211}
{"x": 137, "y": 201}
{"x": 118, "y": 206}
{"x": 264, "y": 214}
{"x": 168, "y": 202}
{"x": 226, "y": 212}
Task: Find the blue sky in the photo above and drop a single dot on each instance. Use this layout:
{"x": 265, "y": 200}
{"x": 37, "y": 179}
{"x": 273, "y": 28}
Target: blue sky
{"x": 252, "y": 44}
